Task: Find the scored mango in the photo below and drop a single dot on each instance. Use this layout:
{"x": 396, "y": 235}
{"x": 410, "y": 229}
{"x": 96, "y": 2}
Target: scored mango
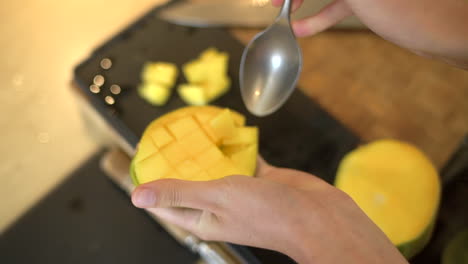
{"x": 196, "y": 143}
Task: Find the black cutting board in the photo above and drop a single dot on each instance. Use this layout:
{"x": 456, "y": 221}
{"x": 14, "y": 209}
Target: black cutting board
{"x": 300, "y": 135}
{"x": 87, "y": 219}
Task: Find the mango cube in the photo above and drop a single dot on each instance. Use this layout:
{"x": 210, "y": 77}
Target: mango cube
{"x": 192, "y": 94}
{"x": 209, "y": 157}
{"x": 161, "y": 137}
{"x": 158, "y": 79}
{"x": 195, "y": 142}
{"x": 145, "y": 149}
{"x": 242, "y": 136}
{"x": 174, "y": 153}
{"x": 245, "y": 159}
{"x": 162, "y": 73}
{"x": 224, "y": 167}
{"x": 188, "y": 169}
{"x": 151, "y": 168}
{"x": 183, "y": 126}
{"x": 223, "y": 125}
{"x": 201, "y": 176}
{"x": 207, "y": 78}
{"x": 154, "y": 93}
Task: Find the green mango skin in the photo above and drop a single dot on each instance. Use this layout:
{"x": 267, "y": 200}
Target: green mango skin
{"x": 413, "y": 247}
{"x": 133, "y": 174}
{"x": 456, "y": 251}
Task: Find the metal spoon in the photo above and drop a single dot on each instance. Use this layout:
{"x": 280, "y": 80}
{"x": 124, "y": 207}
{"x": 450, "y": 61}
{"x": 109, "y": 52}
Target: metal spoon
{"x": 270, "y": 66}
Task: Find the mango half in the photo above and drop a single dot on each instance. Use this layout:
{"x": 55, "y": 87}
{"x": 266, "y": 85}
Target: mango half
{"x": 398, "y": 188}
{"x": 197, "y": 143}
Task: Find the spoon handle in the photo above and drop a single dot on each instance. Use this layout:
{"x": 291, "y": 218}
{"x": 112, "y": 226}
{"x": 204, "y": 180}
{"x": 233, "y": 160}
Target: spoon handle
{"x": 285, "y": 12}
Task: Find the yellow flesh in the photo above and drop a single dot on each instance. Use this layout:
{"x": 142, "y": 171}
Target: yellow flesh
{"x": 395, "y": 185}
{"x": 207, "y": 78}
{"x": 158, "y": 79}
{"x": 187, "y": 144}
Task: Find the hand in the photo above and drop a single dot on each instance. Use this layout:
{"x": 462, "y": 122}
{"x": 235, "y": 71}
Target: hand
{"x": 430, "y": 28}
{"x": 285, "y": 210}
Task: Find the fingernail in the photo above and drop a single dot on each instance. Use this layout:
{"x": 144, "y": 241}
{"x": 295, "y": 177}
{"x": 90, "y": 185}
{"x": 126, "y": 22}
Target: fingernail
{"x": 144, "y": 198}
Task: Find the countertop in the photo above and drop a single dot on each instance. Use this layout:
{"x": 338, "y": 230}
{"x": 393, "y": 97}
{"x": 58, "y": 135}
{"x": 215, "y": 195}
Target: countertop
{"x": 375, "y": 88}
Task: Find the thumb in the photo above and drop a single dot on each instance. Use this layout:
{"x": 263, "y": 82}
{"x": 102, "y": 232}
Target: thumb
{"x": 325, "y": 18}
{"x": 176, "y": 193}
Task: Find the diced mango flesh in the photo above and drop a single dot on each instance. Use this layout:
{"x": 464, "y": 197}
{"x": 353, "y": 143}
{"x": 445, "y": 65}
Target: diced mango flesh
{"x": 146, "y": 171}
{"x": 207, "y": 78}
{"x": 183, "y": 126}
{"x": 223, "y": 125}
{"x": 158, "y": 78}
{"x": 177, "y": 145}
{"x": 163, "y": 73}
{"x": 192, "y": 94}
{"x": 154, "y": 93}
{"x": 242, "y": 136}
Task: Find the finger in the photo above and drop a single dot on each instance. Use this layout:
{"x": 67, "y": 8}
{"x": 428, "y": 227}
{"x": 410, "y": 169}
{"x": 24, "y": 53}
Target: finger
{"x": 292, "y": 178}
{"x": 325, "y": 18}
{"x": 295, "y": 5}
{"x": 183, "y": 217}
{"x": 176, "y": 193}
{"x": 262, "y": 167}
{"x": 203, "y": 224}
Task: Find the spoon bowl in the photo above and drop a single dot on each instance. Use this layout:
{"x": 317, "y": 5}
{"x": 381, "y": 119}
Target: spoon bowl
{"x": 270, "y": 66}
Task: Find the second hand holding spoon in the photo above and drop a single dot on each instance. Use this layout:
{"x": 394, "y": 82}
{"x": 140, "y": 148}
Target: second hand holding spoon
{"x": 270, "y": 66}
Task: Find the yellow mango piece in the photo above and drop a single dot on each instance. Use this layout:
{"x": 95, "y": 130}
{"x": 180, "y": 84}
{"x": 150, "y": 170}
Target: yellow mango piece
{"x": 152, "y": 168}
{"x": 174, "y": 153}
{"x": 182, "y": 126}
{"x": 223, "y": 125}
{"x": 192, "y": 94}
{"x": 209, "y": 157}
{"x": 211, "y": 134}
{"x": 245, "y": 159}
{"x": 154, "y": 93}
{"x": 224, "y": 167}
{"x": 161, "y": 137}
{"x": 241, "y": 136}
{"x": 207, "y": 78}
{"x": 204, "y": 117}
{"x": 397, "y": 186}
{"x": 215, "y": 88}
{"x": 195, "y": 142}
{"x": 239, "y": 119}
{"x": 179, "y": 146}
{"x": 145, "y": 149}
{"x": 188, "y": 169}
{"x": 162, "y": 73}
{"x": 217, "y": 62}
{"x": 194, "y": 72}
{"x": 173, "y": 175}
{"x": 201, "y": 176}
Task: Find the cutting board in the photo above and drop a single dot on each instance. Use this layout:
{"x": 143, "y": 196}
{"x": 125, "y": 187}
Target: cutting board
{"x": 301, "y": 135}
{"x": 86, "y": 219}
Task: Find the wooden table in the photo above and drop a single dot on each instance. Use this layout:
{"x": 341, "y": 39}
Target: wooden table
{"x": 380, "y": 90}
